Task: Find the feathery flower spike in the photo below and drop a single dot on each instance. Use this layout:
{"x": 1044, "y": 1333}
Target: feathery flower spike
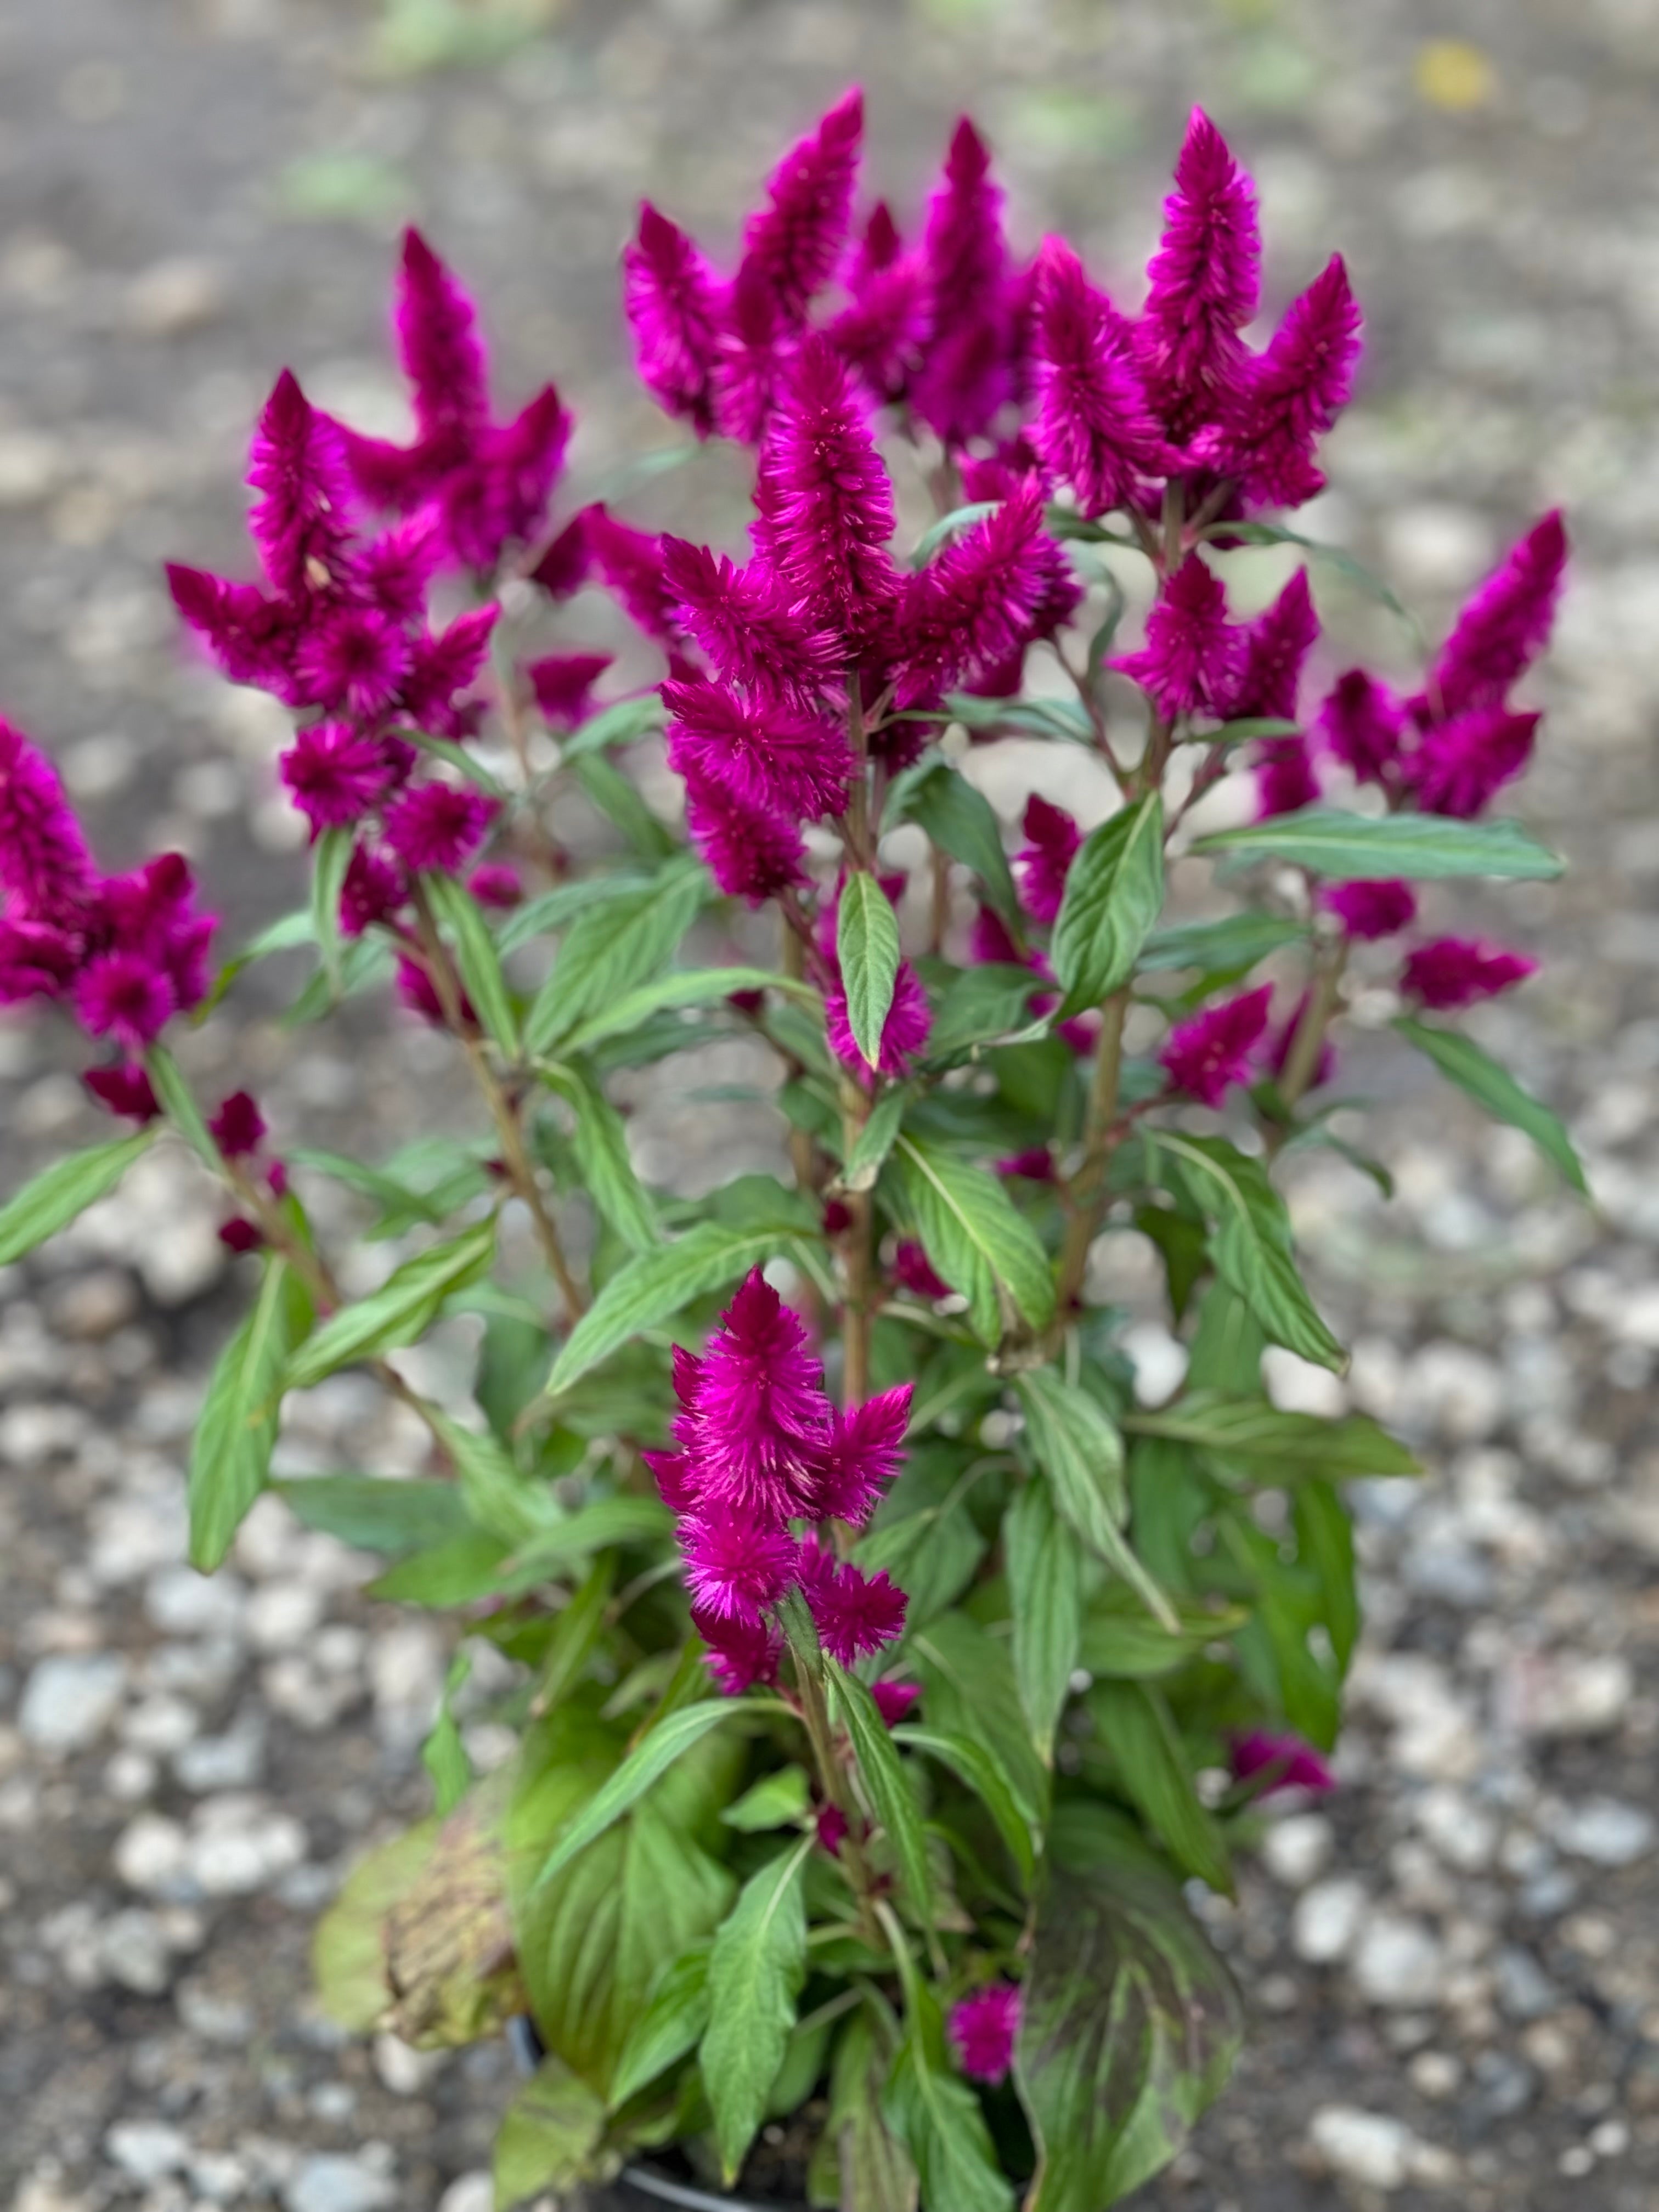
{"x": 966, "y": 371}
{"x": 1362, "y": 724}
{"x": 1207, "y": 1055}
{"x": 1285, "y": 779}
{"x": 562, "y": 684}
{"x": 1052, "y": 839}
{"x": 828, "y": 511}
{"x": 855, "y": 1613}
{"x": 1460, "y": 765}
{"x": 862, "y": 1456}
{"x": 984, "y": 2028}
{"x": 904, "y": 1033}
{"x": 1190, "y": 661}
{"x": 46, "y": 870}
{"x": 1457, "y": 971}
{"x": 1290, "y": 396}
{"x": 1369, "y": 911}
{"x": 1204, "y": 282}
{"x": 1291, "y": 1763}
{"x": 759, "y": 1419}
{"x": 1504, "y": 625}
{"x": 764, "y": 757}
{"x": 747, "y": 624}
{"x": 437, "y": 827}
{"x": 1093, "y": 426}
{"x": 753, "y": 853}
{"x": 1276, "y": 646}
{"x": 673, "y": 298}
{"x": 239, "y": 1128}
{"x": 794, "y": 243}
{"x": 736, "y": 1567}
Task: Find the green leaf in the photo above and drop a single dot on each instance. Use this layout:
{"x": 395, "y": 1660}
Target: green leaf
{"x": 1045, "y": 1596}
{"x": 1231, "y": 945}
{"x": 466, "y": 764}
{"x": 961, "y": 820}
{"x": 443, "y": 1755}
{"x": 1324, "y": 1543}
{"x": 617, "y": 799}
{"x": 874, "y": 1141}
{"x": 604, "y": 1159}
{"x": 977, "y": 1238}
{"x": 778, "y": 1799}
{"x": 1034, "y": 718}
{"x": 1280, "y": 1447}
{"x": 178, "y": 1102}
{"x": 755, "y": 1976}
{"x": 1364, "y": 847}
{"x": 230, "y": 1456}
{"x": 868, "y": 951}
{"x": 1136, "y": 1726}
{"x": 479, "y": 962}
{"x": 1114, "y": 894}
{"x": 978, "y": 1766}
{"x": 556, "y": 908}
{"x": 891, "y": 1795}
{"x": 400, "y": 1311}
{"x": 365, "y": 962}
{"x": 595, "y": 1526}
{"x": 372, "y": 1513}
{"x": 548, "y": 2136}
{"x": 1073, "y": 1442}
{"x": 684, "y": 987}
{"x": 1130, "y": 2026}
{"x": 979, "y": 1006}
{"x": 331, "y": 858}
{"x": 1463, "y": 1062}
{"x": 52, "y": 1200}
{"x": 948, "y": 525}
{"x": 938, "y": 2117}
{"x": 1251, "y": 1246}
{"x": 1334, "y": 557}
{"x": 454, "y": 1571}
{"x": 1125, "y": 1644}
{"x": 654, "y": 1287}
{"x": 671, "y": 2025}
{"x": 622, "y": 724}
{"x": 923, "y": 1535}
{"x": 651, "y": 1757}
{"x": 609, "y": 949}
{"x": 969, "y": 1689}
{"x": 1246, "y": 729}
{"x": 857, "y": 2161}
{"x": 497, "y": 1496}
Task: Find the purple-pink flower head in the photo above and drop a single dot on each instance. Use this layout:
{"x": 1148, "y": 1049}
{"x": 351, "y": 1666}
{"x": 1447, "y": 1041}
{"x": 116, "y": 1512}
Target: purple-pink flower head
{"x": 894, "y": 1700}
{"x": 736, "y": 1565}
{"x": 1035, "y": 1165}
{"x": 1094, "y": 426}
{"x": 1290, "y": 396}
{"x": 882, "y": 335}
{"x": 123, "y": 1089}
{"x": 497, "y": 884}
{"x": 395, "y": 571}
{"x": 1369, "y": 911}
{"x": 915, "y": 1271}
{"x": 753, "y": 853}
{"x": 239, "y": 1128}
{"x": 630, "y": 563}
{"x": 1204, "y": 282}
{"x": 748, "y": 625}
{"x": 443, "y": 665}
{"x": 1285, "y": 779}
{"x": 673, "y": 298}
{"x": 374, "y": 888}
{"x": 1207, "y": 1055}
{"x": 562, "y": 683}
{"x": 336, "y": 773}
{"x": 37, "y": 959}
{"x": 828, "y": 503}
{"x": 439, "y": 345}
{"x": 501, "y": 496}
{"x": 1276, "y": 646}
{"x": 1052, "y": 839}
{"x": 1362, "y": 724}
{"x": 1191, "y": 659}
{"x": 437, "y": 827}
{"x": 978, "y": 603}
{"x": 1284, "y": 1762}
{"x": 125, "y": 995}
{"x": 967, "y": 372}
{"x": 46, "y": 870}
{"x": 864, "y": 1454}
{"x": 855, "y": 1614}
{"x": 743, "y": 1655}
{"x": 904, "y": 1033}
{"x": 794, "y": 242}
{"x": 301, "y": 519}
{"x": 151, "y": 914}
{"x": 984, "y": 2028}
{"x": 1505, "y": 626}
{"x": 765, "y": 756}
{"x": 757, "y": 345}
{"x": 250, "y": 638}
{"x": 354, "y": 660}
{"x": 1459, "y": 766}
{"x": 759, "y": 1420}
{"x": 1456, "y": 971}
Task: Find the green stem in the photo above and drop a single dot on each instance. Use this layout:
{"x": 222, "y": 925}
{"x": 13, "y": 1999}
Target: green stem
{"x": 832, "y": 1775}
{"x": 1086, "y": 1191}
{"x": 1324, "y": 996}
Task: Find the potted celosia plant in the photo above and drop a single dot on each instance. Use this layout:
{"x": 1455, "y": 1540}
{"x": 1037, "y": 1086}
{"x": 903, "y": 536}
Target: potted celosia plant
{"x": 888, "y": 1660}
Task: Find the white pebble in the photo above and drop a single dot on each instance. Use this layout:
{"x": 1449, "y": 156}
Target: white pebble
{"x": 149, "y": 1854}
{"x": 1398, "y": 1962}
{"x": 1364, "y": 2146}
{"x": 1328, "y": 1919}
{"x": 1605, "y": 1831}
{"x": 145, "y": 2150}
{"x": 70, "y": 1699}
{"x": 1297, "y": 1848}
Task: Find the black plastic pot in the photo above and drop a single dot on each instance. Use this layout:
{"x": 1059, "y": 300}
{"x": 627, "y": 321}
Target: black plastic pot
{"x": 639, "y": 2190}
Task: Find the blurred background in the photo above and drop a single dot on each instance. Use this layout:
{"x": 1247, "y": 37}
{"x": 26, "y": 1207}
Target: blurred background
{"x": 1454, "y": 1964}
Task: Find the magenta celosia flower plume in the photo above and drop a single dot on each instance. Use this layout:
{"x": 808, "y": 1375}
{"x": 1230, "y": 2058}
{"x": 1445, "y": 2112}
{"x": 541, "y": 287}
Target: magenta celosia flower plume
{"x": 438, "y": 827}
{"x": 760, "y": 1418}
{"x": 753, "y": 853}
{"x": 1052, "y": 839}
{"x": 748, "y": 625}
{"x": 1269, "y": 429}
{"x": 1276, "y": 648}
{"x": 882, "y": 333}
{"x": 904, "y": 1033}
{"x": 1193, "y": 654}
{"x": 301, "y": 519}
{"x": 966, "y": 375}
{"x": 827, "y": 505}
{"x": 337, "y": 773}
{"x": 1457, "y": 971}
{"x": 984, "y": 2028}
{"x": 1280, "y": 1762}
{"x": 1362, "y": 724}
{"x": 1094, "y": 426}
{"x": 1204, "y": 282}
{"x": 978, "y": 603}
{"x": 1505, "y": 626}
{"x": 46, "y": 870}
{"x": 673, "y": 303}
{"x": 1207, "y": 1055}
{"x": 439, "y": 345}
{"x": 794, "y": 242}
{"x": 1458, "y": 765}
{"x": 764, "y": 757}
{"x": 562, "y": 683}
{"x": 1370, "y": 910}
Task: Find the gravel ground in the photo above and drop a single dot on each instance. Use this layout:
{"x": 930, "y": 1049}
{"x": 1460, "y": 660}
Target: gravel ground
{"x": 1454, "y": 1964}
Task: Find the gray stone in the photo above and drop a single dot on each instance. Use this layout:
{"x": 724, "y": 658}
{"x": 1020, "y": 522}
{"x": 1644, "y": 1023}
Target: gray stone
{"x": 133, "y": 1950}
{"x": 240, "y": 1844}
{"x": 1369, "y": 2147}
{"x": 1328, "y": 1919}
{"x": 1525, "y": 1991}
{"x": 1398, "y": 1961}
{"x": 1605, "y": 1831}
{"x": 146, "y": 2150}
{"x": 1297, "y": 1848}
{"x": 328, "y": 2184}
{"x": 70, "y": 1699}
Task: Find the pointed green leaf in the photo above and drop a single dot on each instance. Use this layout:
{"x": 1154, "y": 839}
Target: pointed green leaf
{"x": 555, "y": 909}
{"x": 331, "y": 858}
{"x": 977, "y": 1238}
{"x": 651, "y": 1757}
{"x": 1073, "y": 1442}
{"x": 1045, "y": 1596}
{"x": 671, "y": 2024}
{"x": 755, "y": 1975}
{"x": 874, "y": 1141}
{"x": 400, "y": 1311}
{"x": 178, "y": 1103}
{"x": 604, "y": 1159}
{"x": 1277, "y": 1446}
{"x": 1233, "y": 945}
{"x": 52, "y": 1200}
{"x": 977, "y": 1766}
{"x": 497, "y": 1496}
{"x": 372, "y": 1513}
{"x": 1114, "y": 894}
{"x": 230, "y": 1456}
{"x": 1366, "y": 848}
{"x": 867, "y": 951}
{"x": 684, "y": 986}
{"x": 960, "y": 820}
{"x": 479, "y": 962}
{"x": 937, "y": 2116}
{"x": 609, "y": 949}
{"x": 1136, "y": 1726}
{"x": 548, "y": 2136}
{"x": 1463, "y": 1062}
{"x": 892, "y": 1795}
{"x": 779, "y": 1800}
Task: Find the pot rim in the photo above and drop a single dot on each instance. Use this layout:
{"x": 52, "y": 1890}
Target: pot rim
{"x": 692, "y": 2200}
